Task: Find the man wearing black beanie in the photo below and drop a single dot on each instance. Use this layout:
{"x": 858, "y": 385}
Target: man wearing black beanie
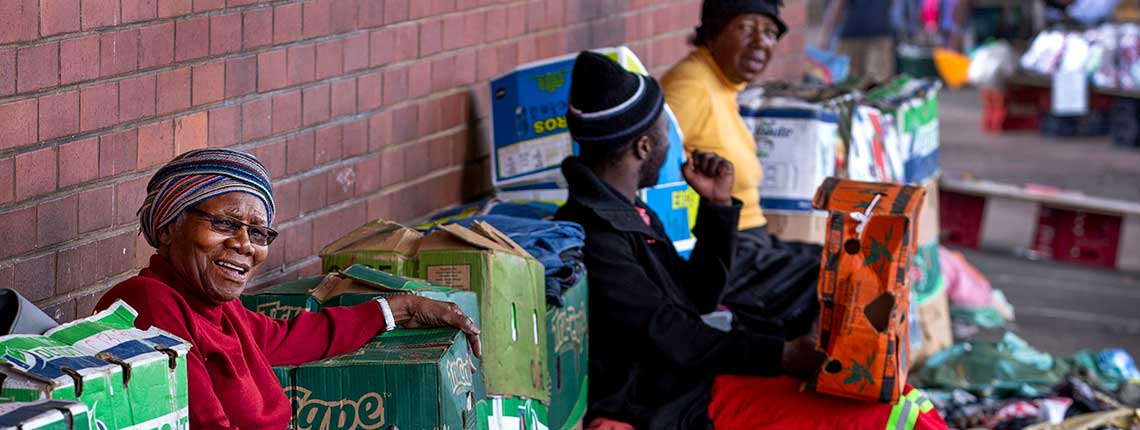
{"x": 653, "y": 363}
{"x": 652, "y": 359}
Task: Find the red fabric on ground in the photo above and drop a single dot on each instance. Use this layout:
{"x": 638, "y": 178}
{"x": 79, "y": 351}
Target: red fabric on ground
{"x": 755, "y": 403}
{"x": 608, "y": 424}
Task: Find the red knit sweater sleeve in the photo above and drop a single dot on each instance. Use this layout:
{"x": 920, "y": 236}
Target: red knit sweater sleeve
{"x": 160, "y": 306}
{"x": 314, "y": 336}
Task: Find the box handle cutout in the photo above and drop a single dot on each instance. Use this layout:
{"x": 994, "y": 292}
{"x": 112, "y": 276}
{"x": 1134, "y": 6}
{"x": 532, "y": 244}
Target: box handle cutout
{"x": 558, "y": 372}
{"x": 106, "y": 356}
{"x": 514, "y": 324}
{"x": 534, "y": 321}
{"x": 878, "y": 312}
{"x": 76, "y": 377}
{"x": 173, "y": 363}
{"x": 833, "y": 366}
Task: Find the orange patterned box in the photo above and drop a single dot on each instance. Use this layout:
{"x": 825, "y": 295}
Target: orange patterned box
{"x": 863, "y": 287}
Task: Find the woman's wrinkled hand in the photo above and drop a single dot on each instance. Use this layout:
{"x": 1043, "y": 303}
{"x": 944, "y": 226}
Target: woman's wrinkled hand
{"x": 415, "y": 312}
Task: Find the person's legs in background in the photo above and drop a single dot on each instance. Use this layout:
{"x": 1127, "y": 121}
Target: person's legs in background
{"x": 871, "y": 57}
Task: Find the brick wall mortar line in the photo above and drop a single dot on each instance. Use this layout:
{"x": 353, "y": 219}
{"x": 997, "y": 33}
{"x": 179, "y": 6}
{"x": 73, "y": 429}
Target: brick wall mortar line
{"x": 238, "y": 101}
{"x": 254, "y": 52}
{"x": 124, "y": 126}
{"x": 140, "y": 24}
{"x": 261, "y": 49}
{"x": 345, "y": 162}
{"x": 245, "y": 146}
{"x": 98, "y": 286}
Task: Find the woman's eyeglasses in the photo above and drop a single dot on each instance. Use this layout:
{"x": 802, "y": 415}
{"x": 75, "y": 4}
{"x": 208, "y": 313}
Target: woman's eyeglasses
{"x": 258, "y": 235}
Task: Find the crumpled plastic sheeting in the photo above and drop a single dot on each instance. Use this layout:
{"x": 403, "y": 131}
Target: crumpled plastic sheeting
{"x": 1008, "y": 368}
{"x": 964, "y": 284}
{"x": 993, "y": 316}
{"x": 1107, "y": 369}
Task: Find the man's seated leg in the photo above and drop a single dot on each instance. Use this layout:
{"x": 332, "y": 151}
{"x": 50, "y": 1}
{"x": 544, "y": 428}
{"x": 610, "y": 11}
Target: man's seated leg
{"x": 755, "y": 403}
{"x": 771, "y": 285}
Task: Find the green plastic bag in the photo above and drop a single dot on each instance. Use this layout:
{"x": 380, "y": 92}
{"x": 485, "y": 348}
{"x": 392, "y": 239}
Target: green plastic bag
{"x": 1008, "y": 368}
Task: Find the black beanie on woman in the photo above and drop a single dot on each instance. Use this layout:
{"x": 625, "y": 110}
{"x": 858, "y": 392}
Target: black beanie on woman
{"x": 715, "y": 15}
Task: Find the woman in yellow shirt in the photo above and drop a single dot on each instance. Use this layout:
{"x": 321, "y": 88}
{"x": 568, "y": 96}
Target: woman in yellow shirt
{"x": 773, "y": 282}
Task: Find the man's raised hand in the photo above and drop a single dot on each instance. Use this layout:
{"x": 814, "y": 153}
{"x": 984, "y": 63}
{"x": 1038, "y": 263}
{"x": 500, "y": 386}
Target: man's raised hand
{"x": 710, "y": 175}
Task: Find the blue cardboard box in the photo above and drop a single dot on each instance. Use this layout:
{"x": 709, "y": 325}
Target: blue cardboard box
{"x": 528, "y": 117}
{"x": 530, "y": 140}
{"x": 676, "y": 205}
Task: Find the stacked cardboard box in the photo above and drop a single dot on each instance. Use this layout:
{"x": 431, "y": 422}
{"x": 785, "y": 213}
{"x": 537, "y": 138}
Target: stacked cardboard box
{"x": 797, "y": 143}
{"x": 127, "y": 377}
{"x": 806, "y": 134}
{"x": 568, "y": 353}
{"x": 512, "y": 304}
{"x": 44, "y": 415}
{"x": 531, "y": 138}
{"x": 284, "y": 301}
{"x": 492, "y": 278}
{"x": 510, "y": 413}
{"x": 381, "y": 245}
{"x": 407, "y": 378}
{"x": 929, "y": 286}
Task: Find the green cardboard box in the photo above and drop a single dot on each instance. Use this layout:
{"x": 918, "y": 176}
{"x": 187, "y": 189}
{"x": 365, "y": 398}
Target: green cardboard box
{"x": 371, "y": 283}
{"x": 511, "y": 413}
{"x": 512, "y": 302}
{"x": 284, "y": 376}
{"x": 567, "y": 331}
{"x": 352, "y": 286}
{"x": 407, "y": 378}
{"x": 44, "y": 415}
{"x": 381, "y": 244}
{"x": 129, "y": 378}
{"x": 284, "y": 301}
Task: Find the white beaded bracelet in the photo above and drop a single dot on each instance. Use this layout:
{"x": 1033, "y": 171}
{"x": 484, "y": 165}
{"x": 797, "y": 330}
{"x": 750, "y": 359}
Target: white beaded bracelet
{"x": 389, "y": 320}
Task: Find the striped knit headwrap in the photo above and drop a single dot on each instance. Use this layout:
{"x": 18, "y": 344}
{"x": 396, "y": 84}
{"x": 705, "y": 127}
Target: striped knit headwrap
{"x": 196, "y": 176}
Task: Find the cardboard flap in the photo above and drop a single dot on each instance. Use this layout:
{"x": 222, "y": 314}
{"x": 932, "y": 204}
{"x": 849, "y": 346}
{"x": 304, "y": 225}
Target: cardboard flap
{"x": 481, "y": 236}
{"x": 380, "y": 234}
{"x": 365, "y": 280}
{"x": 387, "y": 282}
{"x": 334, "y": 285}
{"x": 492, "y": 232}
{"x": 853, "y": 196}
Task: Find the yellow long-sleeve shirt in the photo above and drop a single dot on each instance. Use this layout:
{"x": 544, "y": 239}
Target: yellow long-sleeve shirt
{"x": 704, "y": 101}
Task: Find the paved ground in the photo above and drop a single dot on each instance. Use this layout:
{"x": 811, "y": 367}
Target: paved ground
{"x": 1060, "y": 308}
{"x": 1093, "y": 166}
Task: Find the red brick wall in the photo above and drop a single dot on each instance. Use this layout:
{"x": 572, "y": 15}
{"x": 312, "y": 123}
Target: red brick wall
{"x": 360, "y": 108}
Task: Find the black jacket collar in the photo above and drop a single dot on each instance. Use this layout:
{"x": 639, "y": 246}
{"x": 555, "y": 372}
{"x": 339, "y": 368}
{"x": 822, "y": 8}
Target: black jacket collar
{"x": 598, "y": 197}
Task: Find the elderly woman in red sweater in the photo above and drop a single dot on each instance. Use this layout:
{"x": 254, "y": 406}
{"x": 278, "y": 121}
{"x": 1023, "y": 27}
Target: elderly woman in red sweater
{"x": 209, "y": 214}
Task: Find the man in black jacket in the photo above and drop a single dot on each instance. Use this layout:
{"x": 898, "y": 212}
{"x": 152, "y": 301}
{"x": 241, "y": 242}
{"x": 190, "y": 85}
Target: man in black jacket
{"x": 653, "y": 360}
